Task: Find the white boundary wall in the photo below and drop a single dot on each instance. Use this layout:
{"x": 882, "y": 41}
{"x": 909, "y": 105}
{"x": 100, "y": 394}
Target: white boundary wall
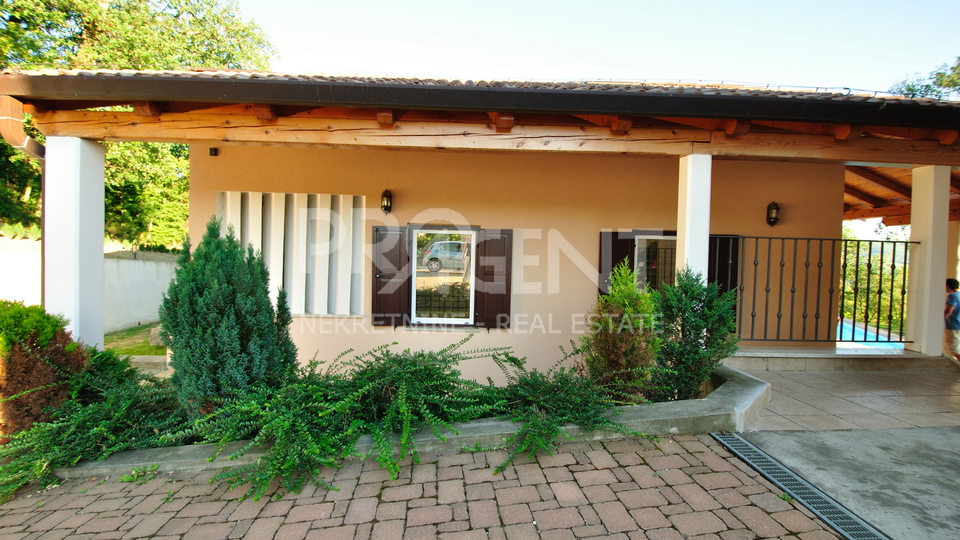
{"x": 133, "y": 290}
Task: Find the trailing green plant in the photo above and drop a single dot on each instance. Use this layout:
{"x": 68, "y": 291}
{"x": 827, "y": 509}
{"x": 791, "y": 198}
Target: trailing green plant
{"x": 544, "y": 402}
{"x": 318, "y": 417}
{"x": 697, "y": 326}
{"x": 620, "y": 345}
{"x": 217, "y": 319}
{"x": 115, "y": 409}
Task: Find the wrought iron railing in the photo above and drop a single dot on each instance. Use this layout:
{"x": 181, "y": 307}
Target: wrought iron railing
{"x": 814, "y": 289}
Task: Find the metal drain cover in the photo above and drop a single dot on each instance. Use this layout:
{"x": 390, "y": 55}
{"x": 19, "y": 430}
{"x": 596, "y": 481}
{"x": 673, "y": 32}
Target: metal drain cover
{"x": 830, "y": 511}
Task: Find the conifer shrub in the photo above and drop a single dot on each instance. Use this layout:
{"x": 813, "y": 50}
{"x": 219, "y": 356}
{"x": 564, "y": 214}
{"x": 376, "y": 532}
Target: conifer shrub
{"x": 38, "y": 357}
{"x": 621, "y": 343}
{"x": 697, "y": 325}
{"x": 217, "y": 319}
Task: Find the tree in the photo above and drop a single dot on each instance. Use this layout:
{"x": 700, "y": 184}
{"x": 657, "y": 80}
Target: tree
{"x": 217, "y": 320}
{"x": 942, "y": 83}
{"x": 146, "y": 183}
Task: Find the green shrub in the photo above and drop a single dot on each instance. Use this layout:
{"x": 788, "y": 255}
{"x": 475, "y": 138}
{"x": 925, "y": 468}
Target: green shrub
{"x": 697, "y": 325}
{"x": 216, "y": 317}
{"x": 544, "y": 402}
{"x": 620, "y": 344}
{"x": 38, "y": 357}
{"x": 114, "y": 408}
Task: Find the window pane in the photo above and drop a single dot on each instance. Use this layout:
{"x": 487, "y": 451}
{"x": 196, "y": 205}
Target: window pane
{"x": 656, "y": 262}
{"x": 443, "y": 287}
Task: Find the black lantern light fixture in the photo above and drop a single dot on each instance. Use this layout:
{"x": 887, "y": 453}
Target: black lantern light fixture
{"x": 386, "y": 201}
{"x": 773, "y": 214}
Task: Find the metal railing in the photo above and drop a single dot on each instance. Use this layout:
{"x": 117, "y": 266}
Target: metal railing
{"x": 814, "y": 289}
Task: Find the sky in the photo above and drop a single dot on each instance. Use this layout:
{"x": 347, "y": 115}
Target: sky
{"x": 837, "y": 44}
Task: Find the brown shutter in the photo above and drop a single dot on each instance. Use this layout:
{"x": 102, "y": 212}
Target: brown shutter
{"x": 615, "y": 246}
{"x": 493, "y": 266}
{"x": 391, "y": 277}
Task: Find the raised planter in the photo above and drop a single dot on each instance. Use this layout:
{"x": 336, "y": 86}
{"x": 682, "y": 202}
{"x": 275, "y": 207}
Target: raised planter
{"x": 734, "y": 406}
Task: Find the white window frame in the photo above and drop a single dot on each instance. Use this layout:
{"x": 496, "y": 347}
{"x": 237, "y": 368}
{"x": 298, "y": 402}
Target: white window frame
{"x": 469, "y": 269}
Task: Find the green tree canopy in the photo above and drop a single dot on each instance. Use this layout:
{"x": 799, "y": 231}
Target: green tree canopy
{"x": 941, "y": 83}
{"x": 146, "y": 183}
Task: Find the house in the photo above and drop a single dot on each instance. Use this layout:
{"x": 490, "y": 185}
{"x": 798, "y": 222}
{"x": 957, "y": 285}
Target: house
{"x": 416, "y": 211}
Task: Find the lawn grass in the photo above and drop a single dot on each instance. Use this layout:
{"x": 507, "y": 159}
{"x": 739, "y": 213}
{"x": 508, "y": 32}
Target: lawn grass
{"x": 133, "y": 341}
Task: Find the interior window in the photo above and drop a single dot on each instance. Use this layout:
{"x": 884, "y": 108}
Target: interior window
{"x": 656, "y": 261}
{"x": 444, "y": 281}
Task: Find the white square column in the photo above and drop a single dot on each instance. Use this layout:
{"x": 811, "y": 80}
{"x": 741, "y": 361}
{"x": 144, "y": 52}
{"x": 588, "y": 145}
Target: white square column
{"x": 693, "y": 212}
{"x": 929, "y": 217}
{"x": 73, "y": 235}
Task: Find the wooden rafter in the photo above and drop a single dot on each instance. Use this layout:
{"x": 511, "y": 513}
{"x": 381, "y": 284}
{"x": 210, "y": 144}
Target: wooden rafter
{"x": 265, "y": 111}
{"x": 388, "y": 117}
{"x": 146, "y": 108}
{"x": 943, "y": 136}
{"x": 897, "y": 212}
{"x": 730, "y": 126}
{"x": 617, "y": 124}
{"x": 878, "y": 180}
{"x": 503, "y": 121}
{"x": 869, "y": 199}
{"x": 841, "y": 132}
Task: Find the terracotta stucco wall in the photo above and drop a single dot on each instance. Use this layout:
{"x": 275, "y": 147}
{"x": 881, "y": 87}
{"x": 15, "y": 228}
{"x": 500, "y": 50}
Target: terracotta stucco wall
{"x": 556, "y": 205}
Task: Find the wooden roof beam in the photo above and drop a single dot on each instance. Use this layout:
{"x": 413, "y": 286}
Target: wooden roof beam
{"x": 869, "y": 199}
{"x": 904, "y": 218}
{"x": 885, "y": 183}
{"x": 503, "y": 121}
{"x": 841, "y": 132}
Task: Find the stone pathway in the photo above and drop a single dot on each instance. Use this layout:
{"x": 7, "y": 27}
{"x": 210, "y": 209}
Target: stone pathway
{"x": 682, "y": 487}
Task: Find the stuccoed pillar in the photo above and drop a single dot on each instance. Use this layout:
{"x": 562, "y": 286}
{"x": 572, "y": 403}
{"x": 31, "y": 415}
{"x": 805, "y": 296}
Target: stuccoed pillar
{"x": 73, "y": 235}
{"x": 693, "y": 212}
{"x": 929, "y": 216}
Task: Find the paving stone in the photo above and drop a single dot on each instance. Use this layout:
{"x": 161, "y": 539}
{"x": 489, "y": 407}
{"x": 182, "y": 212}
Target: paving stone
{"x": 375, "y": 476}
{"x": 770, "y": 502}
{"x": 427, "y": 532}
{"x": 568, "y": 494}
{"x": 794, "y": 521}
{"x": 758, "y": 521}
{"x": 602, "y": 459}
{"x": 558, "y": 474}
{"x": 589, "y": 515}
{"x": 729, "y": 519}
{"x": 201, "y": 509}
{"x": 515, "y": 513}
{"x": 556, "y": 460}
{"x": 717, "y": 480}
{"x": 674, "y": 477}
{"x": 716, "y": 463}
{"x": 360, "y": 511}
{"x": 480, "y": 491}
{"x": 742, "y": 534}
{"x": 429, "y": 515}
{"x": 99, "y": 524}
{"x": 210, "y": 531}
{"x": 450, "y": 473}
{"x": 557, "y": 534}
{"x": 599, "y": 494}
{"x": 424, "y": 472}
{"x": 293, "y": 531}
{"x": 593, "y": 478}
{"x": 644, "y": 477}
{"x": 277, "y": 508}
{"x": 402, "y": 493}
{"x": 517, "y": 495}
{"x": 309, "y": 512}
{"x": 664, "y": 534}
{"x": 454, "y": 526}
{"x": 391, "y": 511}
{"x": 149, "y": 525}
{"x": 697, "y": 497}
{"x": 698, "y": 523}
{"x": 454, "y": 459}
{"x": 176, "y": 526}
{"x": 666, "y": 462}
{"x": 521, "y": 532}
{"x": 450, "y": 491}
{"x": 263, "y": 529}
{"x": 530, "y": 474}
{"x": 615, "y": 517}
{"x": 650, "y": 518}
{"x": 384, "y": 530}
{"x": 561, "y": 518}
{"x": 640, "y": 498}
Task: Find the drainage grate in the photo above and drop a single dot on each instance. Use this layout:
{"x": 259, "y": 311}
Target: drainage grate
{"x": 830, "y": 511}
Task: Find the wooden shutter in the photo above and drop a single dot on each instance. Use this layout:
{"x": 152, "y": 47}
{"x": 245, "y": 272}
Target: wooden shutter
{"x": 493, "y": 267}
{"x": 614, "y": 247}
{"x": 391, "y": 277}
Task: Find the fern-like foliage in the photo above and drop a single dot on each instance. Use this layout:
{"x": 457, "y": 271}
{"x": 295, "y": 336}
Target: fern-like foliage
{"x": 545, "y": 401}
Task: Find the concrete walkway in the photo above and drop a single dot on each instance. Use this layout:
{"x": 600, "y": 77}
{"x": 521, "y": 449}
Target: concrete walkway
{"x": 681, "y": 487}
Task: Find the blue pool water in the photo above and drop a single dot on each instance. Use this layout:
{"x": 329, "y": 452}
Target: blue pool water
{"x": 865, "y": 337}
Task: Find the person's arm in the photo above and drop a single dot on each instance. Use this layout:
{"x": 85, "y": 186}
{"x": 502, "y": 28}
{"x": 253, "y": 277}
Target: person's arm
{"x": 947, "y": 310}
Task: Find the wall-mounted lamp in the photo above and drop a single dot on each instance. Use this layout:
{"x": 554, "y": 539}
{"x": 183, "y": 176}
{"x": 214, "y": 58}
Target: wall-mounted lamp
{"x": 386, "y": 201}
{"x": 773, "y": 214}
